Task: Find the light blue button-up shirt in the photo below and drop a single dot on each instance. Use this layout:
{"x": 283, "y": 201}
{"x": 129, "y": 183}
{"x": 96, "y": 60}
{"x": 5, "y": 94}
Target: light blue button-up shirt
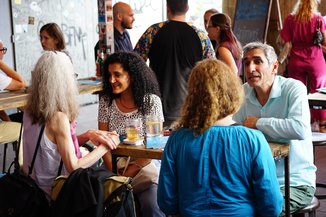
{"x": 285, "y": 118}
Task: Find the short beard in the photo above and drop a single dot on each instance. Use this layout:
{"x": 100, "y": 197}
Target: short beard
{"x": 125, "y": 26}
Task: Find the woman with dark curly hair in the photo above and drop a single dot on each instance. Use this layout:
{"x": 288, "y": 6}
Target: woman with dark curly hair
{"x": 130, "y": 92}
{"x": 229, "y": 168}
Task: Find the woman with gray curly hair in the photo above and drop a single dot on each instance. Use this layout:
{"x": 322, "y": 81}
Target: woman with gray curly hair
{"x": 52, "y": 102}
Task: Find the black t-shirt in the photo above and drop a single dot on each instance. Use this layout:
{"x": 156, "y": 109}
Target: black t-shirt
{"x": 174, "y": 51}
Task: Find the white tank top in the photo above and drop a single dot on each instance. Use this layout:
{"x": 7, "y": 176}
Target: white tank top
{"x": 47, "y": 159}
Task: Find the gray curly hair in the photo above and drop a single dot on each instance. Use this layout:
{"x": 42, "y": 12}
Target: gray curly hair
{"x": 53, "y": 88}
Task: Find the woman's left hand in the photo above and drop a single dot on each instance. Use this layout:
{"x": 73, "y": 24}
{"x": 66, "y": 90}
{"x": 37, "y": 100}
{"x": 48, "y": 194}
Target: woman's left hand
{"x": 110, "y": 139}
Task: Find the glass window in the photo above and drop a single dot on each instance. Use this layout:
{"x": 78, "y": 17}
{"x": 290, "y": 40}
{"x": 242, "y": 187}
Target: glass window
{"x": 148, "y": 12}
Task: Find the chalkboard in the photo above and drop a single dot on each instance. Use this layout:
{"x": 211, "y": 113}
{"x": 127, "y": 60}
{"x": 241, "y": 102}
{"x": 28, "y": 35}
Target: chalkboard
{"x": 251, "y": 20}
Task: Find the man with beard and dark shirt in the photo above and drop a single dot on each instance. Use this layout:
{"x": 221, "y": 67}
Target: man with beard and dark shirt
{"x": 173, "y": 47}
{"x": 123, "y": 18}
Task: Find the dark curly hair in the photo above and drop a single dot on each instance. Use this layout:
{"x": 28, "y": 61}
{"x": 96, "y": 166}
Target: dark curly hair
{"x": 143, "y": 79}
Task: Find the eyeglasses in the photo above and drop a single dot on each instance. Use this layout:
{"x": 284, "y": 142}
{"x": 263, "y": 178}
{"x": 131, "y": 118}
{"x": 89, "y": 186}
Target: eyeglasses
{"x": 4, "y": 50}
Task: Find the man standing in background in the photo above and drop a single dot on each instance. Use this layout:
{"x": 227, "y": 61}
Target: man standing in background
{"x": 123, "y": 18}
{"x": 207, "y": 15}
{"x": 173, "y": 47}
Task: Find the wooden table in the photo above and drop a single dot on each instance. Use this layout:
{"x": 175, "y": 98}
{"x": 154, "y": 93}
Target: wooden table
{"x": 17, "y": 99}
{"x": 317, "y": 100}
{"x": 278, "y": 150}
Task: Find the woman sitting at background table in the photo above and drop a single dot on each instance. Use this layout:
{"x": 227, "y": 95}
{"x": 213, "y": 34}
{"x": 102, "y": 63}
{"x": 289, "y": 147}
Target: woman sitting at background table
{"x": 130, "y": 91}
{"x": 52, "y": 102}
{"x": 229, "y": 168}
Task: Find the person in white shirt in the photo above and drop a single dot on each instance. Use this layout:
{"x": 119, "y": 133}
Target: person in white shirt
{"x": 9, "y": 80}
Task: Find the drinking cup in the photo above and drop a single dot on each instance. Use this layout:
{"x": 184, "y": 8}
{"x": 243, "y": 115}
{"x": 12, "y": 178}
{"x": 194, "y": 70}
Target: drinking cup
{"x": 154, "y": 126}
{"x": 133, "y": 129}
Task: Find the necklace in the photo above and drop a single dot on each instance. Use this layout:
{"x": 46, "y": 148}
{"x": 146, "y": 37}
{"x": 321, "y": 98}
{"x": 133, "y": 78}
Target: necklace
{"x": 124, "y": 106}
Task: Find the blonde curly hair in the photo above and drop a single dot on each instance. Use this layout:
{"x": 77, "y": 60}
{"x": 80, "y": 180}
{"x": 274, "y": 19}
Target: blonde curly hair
{"x": 304, "y": 9}
{"x": 214, "y": 92}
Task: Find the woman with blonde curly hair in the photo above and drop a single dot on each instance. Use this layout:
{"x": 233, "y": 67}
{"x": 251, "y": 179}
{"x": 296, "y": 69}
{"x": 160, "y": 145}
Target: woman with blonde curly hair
{"x": 306, "y": 60}
{"x": 229, "y": 168}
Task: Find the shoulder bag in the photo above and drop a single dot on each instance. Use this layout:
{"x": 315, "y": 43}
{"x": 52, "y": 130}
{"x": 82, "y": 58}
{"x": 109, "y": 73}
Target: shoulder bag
{"x": 318, "y": 37}
{"x": 19, "y": 194}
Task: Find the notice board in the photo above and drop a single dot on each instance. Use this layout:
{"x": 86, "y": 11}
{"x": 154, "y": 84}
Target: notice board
{"x": 251, "y": 20}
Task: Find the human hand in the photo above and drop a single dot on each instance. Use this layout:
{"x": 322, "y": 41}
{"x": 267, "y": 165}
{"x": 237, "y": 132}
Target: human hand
{"x": 323, "y": 47}
{"x": 110, "y": 139}
{"x": 250, "y": 122}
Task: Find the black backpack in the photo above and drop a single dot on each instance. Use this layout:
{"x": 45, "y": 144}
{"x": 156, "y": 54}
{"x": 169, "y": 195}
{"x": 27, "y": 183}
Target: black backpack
{"x": 94, "y": 192}
{"x": 19, "y": 194}
{"x": 21, "y": 197}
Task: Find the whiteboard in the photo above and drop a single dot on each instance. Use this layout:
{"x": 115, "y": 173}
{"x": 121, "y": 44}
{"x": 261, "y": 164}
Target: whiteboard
{"x": 78, "y": 21}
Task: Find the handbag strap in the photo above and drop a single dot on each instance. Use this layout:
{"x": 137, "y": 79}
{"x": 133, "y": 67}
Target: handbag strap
{"x": 318, "y": 23}
{"x": 60, "y": 168}
{"x": 30, "y": 169}
{"x": 16, "y": 160}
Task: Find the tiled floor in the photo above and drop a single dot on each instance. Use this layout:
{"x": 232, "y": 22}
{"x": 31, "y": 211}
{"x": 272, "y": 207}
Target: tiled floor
{"x": 88, "y": 120}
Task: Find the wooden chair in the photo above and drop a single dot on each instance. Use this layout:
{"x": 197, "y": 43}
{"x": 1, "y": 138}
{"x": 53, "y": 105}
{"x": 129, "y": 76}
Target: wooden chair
{"x": 16, "y": 117}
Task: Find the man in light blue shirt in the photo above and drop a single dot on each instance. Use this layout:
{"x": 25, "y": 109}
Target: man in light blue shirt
{"x": 279, "y": 108}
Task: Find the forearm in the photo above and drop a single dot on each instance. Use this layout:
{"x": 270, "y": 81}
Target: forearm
{"x": 323, "y": 47}
{"x": 12, "y": 73}
{"x": 89, "y": 159}
{"x": 4, "y": 116}
{"x": 98, "y": 137}
{"x": 83, "y": 138}
{"x": 278, "y": 128}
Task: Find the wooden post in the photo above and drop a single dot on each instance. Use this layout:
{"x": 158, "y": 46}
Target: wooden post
{"x": 275, "y": 24}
